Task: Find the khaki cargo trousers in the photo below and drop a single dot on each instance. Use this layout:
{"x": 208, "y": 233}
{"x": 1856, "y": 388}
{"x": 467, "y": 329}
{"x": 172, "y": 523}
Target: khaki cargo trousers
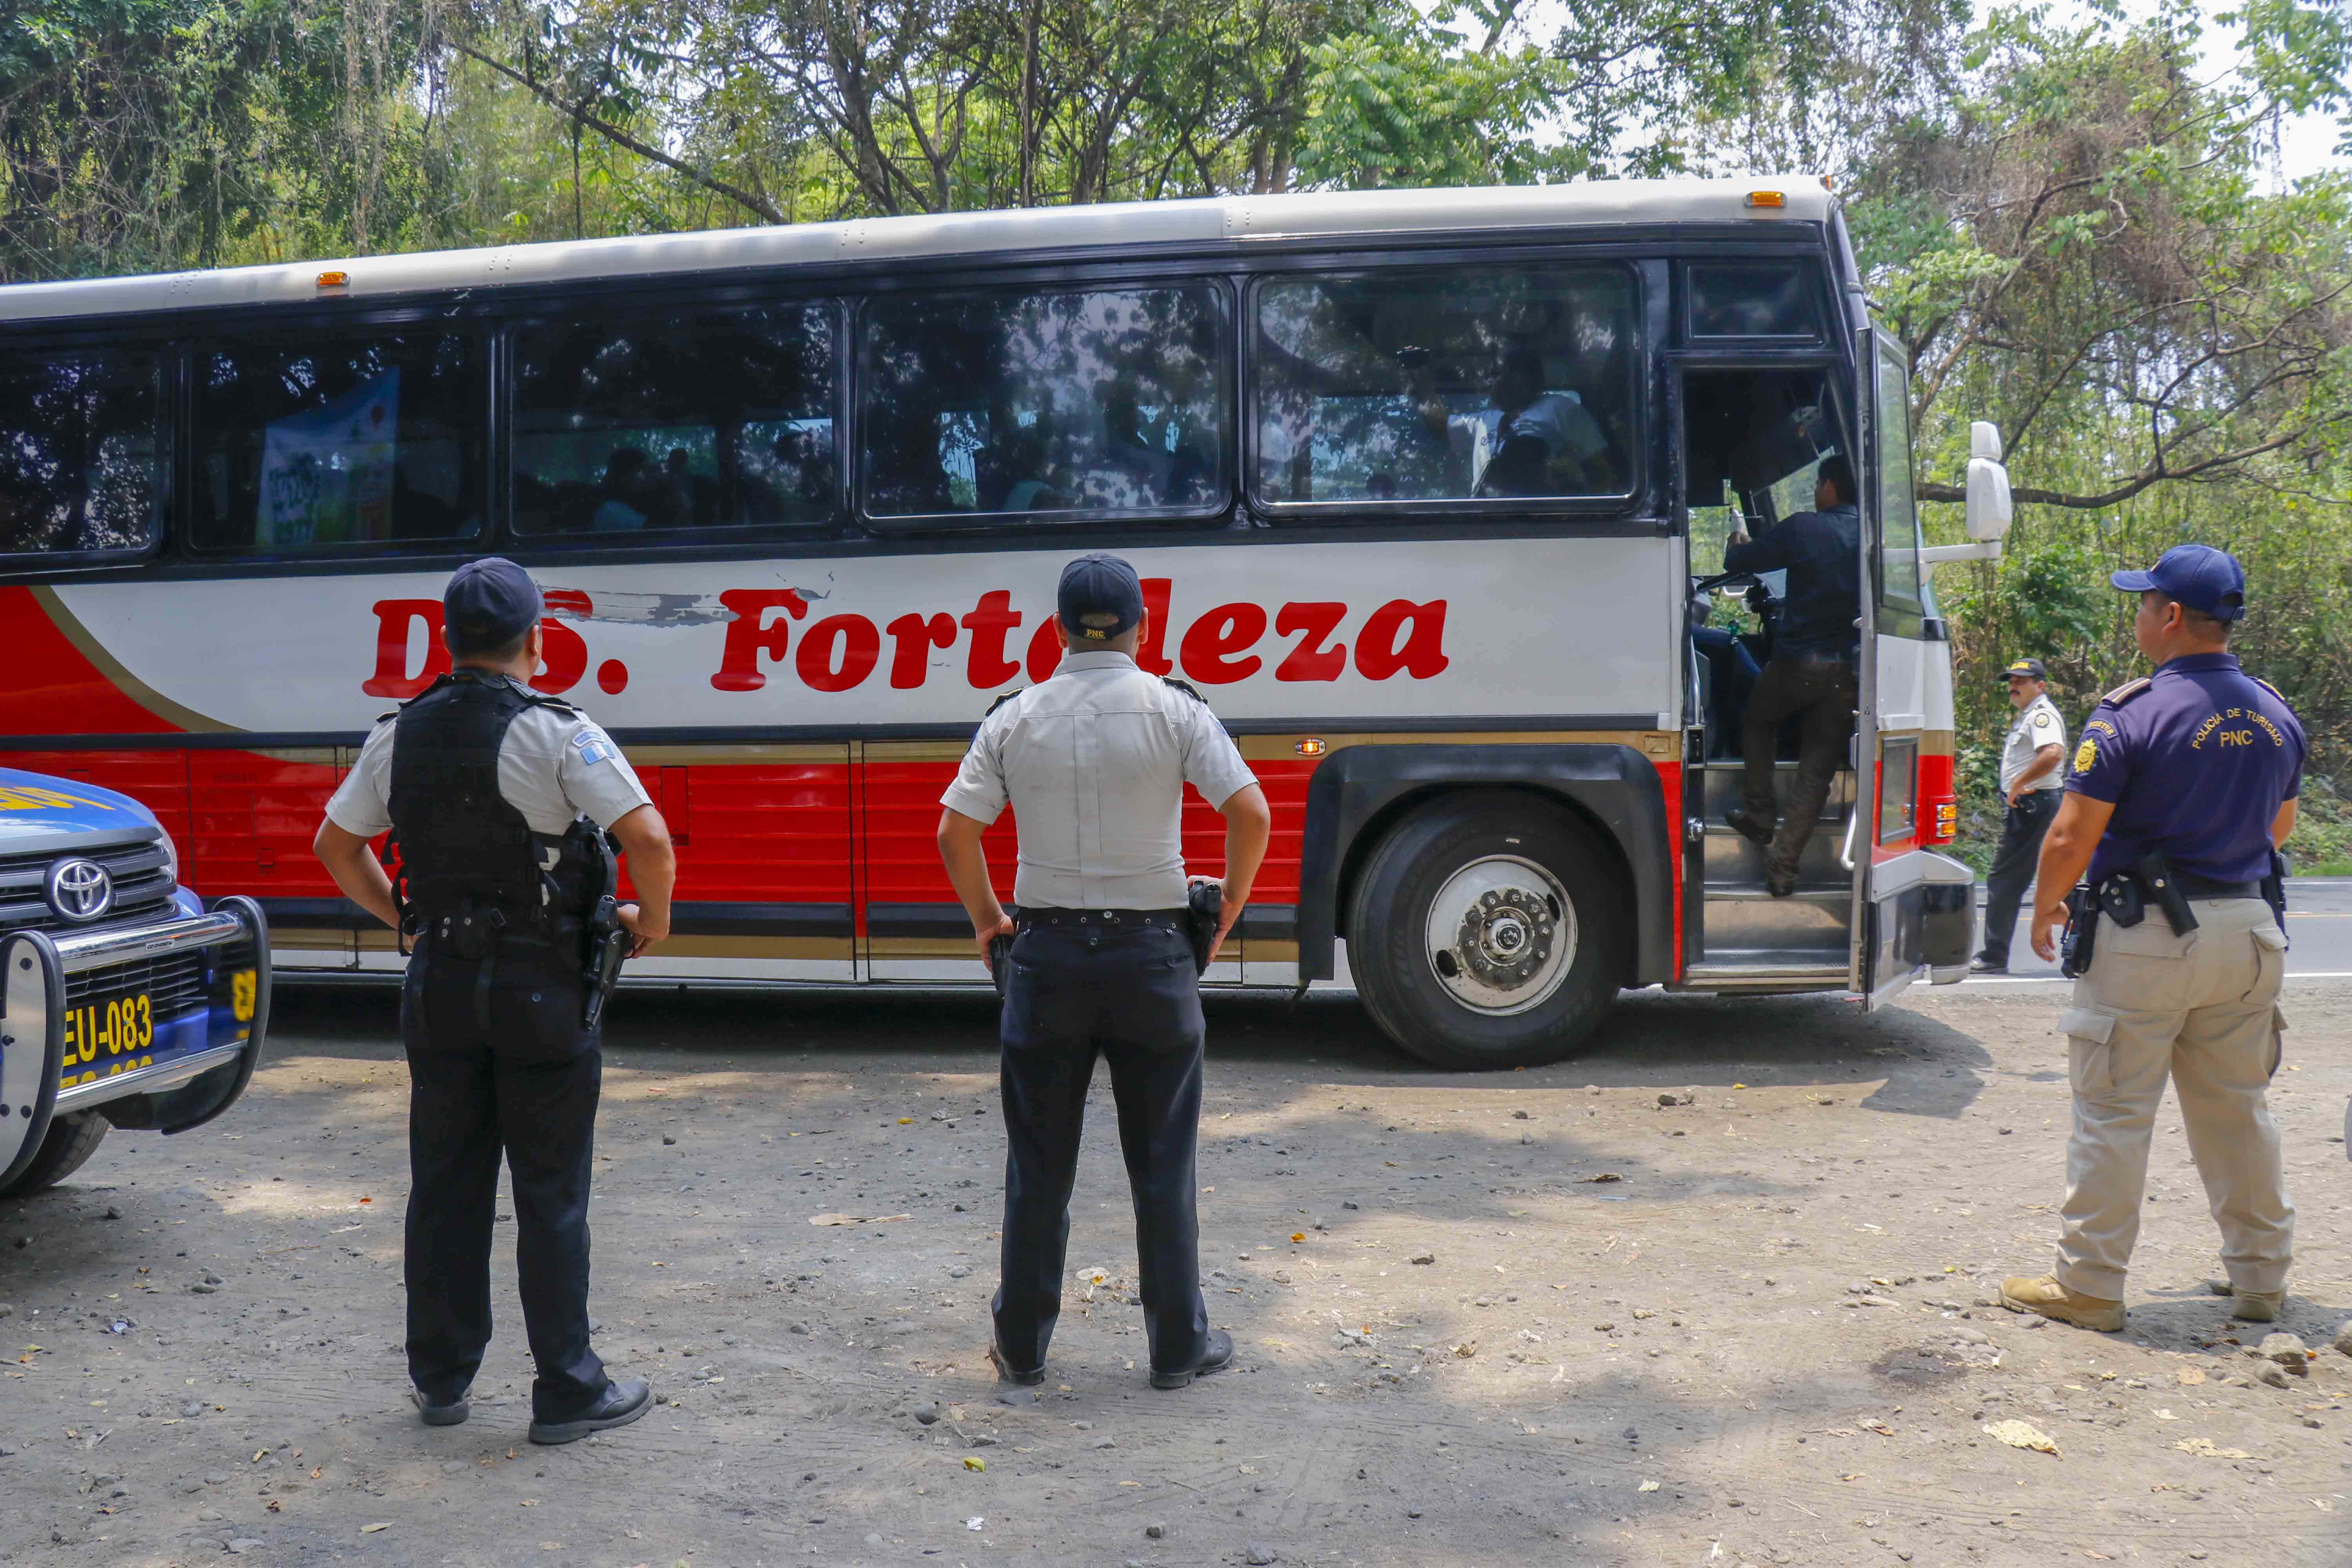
{"x": 2202, "y": 1008}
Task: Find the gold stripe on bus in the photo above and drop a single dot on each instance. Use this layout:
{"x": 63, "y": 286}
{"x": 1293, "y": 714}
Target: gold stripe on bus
{"x": 130, "y": 685}
{"x": 1655, "y": 745}
{"x": 738, "y": 755}
{"x": 913, "y": 750}
{"x": 830, "y": 947}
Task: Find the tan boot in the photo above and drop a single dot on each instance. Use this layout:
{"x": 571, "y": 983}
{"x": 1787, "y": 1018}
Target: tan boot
{"x": 2055, "y": 1301}
{"x": 2257, "y": 1306}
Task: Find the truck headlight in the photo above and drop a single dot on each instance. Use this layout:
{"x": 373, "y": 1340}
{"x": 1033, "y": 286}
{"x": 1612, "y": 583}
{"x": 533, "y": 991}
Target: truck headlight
{"x": 171, "y": 855}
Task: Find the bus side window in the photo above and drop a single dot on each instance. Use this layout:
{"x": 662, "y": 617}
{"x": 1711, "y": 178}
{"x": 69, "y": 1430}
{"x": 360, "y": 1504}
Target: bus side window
{"x": 676, "y": 421}
{"x": 1438, "y": 384}
{"x": 1081, "y": 404}
{"x": 80, "y": 453}
{"x": 323, "y": 443}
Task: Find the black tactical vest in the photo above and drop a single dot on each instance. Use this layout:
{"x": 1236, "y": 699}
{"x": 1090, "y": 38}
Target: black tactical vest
{"x": 463, "y": 847}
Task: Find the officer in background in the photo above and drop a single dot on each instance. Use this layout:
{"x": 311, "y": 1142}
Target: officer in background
{"x": 2030, "y": 782}
{"x": 2183, "y": 785}
{"x": 489, "y": 789}
{"x": 1811, "y": 673}
{"x": 1093, "y": 762}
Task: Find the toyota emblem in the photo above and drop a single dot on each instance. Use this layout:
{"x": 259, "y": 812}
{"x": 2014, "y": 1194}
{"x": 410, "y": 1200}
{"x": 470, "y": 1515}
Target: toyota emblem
{"x": 80, "y": 890}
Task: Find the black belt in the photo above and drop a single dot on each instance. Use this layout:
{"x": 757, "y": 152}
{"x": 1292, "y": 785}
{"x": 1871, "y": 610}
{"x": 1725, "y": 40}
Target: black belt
{"x": 2205, "y": 888}
{"x": 1100, "y": 922}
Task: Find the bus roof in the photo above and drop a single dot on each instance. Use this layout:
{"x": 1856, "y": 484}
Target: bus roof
{"x": 1303, "y": 216}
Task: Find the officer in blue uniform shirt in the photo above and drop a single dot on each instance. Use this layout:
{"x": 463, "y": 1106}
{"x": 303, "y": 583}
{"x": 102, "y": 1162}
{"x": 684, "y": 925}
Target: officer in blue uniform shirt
{"x": 2198, "y": 766}
{"x": 1093, "y": 762}
{"x": 496, "y": 797}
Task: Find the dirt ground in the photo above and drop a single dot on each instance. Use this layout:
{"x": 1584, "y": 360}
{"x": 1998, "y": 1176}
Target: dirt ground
{"x": 1536, "y": 1317}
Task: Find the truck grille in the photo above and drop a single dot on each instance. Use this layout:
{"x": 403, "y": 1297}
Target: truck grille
{"x": 142, "y": 887}
{"x": 175, "y": 983}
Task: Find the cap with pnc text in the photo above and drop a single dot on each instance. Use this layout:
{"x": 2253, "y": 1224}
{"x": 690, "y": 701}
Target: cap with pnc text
{"x": 1099, "y": 599}
{"x": 487, "y": 605}
{"x": 2031, "y": 668}
{"x": 2206, "y": 579}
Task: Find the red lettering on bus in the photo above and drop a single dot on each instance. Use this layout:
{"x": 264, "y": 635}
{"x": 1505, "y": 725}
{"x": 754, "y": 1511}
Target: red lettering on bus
{"x": 914, "y": 636}
{"x": 861, "y": 645}
{"x": 988, "y": 622}
{"x": 1422, "y": 653}
{"x": 563, "y": 658}
{"x": 1149, "y": 655}
{"x": 1308, "y": 658}
{"x": 1212, "y": 641}
{"x": 1045, "y": 650}
{"x": 393, "y": 618}
{"x": 747, "y": 639}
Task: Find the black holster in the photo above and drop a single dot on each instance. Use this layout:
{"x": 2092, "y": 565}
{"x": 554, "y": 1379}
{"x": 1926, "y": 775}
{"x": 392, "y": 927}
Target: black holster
{"x": 1000, "y": 961}
{"x": 2075, "y": 949}
{"x": 2161, "y": 888}
{"x": 2275, "y": 889}
{"x": 1204, "y": 906}
{"x": 607, "y": 946}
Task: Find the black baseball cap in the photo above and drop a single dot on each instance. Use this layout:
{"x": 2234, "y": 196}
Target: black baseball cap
{"x": 2030, "y": 668}
{"x": 2206, "y": 579}
{"x": 1099, "y": 598}
{"x": 487, "y": 605}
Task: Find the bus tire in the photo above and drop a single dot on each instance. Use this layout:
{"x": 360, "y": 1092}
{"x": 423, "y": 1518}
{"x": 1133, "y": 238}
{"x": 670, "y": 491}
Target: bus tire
{"x": 1523, "y": 909}
{"x": 71, "y": 1139}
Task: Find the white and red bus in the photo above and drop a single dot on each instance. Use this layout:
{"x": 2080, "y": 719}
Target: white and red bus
{"x": 1421, "y": 485}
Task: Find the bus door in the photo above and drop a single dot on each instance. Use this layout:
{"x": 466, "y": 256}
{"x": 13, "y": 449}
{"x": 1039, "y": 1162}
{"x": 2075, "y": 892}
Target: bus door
{"x": 1913, "y": 908}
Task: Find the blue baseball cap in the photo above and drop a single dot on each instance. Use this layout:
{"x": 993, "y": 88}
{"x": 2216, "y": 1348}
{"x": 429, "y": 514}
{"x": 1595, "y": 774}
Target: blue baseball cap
{"x": 1099, "y": 598}
{"x": 2206, "y": 579}
{"x": 487, "y": 605}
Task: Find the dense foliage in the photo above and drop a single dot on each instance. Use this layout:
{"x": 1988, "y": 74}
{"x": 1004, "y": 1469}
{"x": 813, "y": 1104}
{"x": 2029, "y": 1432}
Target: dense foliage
{"x": 2079, "y": 233}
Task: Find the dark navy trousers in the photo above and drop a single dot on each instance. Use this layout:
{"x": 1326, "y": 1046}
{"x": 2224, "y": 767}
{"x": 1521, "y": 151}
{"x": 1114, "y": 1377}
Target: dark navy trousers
{"x": 1132, "y": 997}
{"x": 499, "y": 1067}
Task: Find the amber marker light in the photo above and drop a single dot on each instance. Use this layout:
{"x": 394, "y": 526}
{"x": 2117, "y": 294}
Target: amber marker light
{"x": 337, "y": 280}
{"x": 1310, "y": 748}
{"x": 1767, "y": 199}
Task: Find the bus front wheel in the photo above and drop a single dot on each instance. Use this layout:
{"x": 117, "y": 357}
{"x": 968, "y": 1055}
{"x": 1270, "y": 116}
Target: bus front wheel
{"x": 1487, "y": 932}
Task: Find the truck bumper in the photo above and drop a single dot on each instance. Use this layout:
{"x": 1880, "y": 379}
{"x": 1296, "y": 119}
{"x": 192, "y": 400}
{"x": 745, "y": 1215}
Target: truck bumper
{"x": 160, "y": 1025}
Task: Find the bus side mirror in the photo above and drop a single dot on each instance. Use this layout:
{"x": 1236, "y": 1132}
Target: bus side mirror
{"x": 1989, "y": 510}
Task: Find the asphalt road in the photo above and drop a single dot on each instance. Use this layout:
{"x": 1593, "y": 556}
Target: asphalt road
{"x": 2318, "y": 925}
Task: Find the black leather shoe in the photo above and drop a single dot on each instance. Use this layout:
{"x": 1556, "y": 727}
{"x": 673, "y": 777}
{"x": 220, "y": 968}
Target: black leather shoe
{"x": 1983, "y": 965}
{"x": 1215, "y": 1356}
{"x": 621, "y": 1403}
{"x": 441, "y": 1411}
{"x": 1754, "y": 829}
{"x": 1780, "y": 881}
{"x": 1005, "y": 1369}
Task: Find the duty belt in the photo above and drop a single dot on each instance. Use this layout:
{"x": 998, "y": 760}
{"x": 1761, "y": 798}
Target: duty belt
{"x": 2204, "y": 887}
{"x": 1100, "y": 922}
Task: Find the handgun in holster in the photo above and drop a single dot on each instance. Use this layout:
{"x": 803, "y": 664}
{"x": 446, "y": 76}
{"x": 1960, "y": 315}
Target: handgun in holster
{"x": 1000, "y": 961}
{"x": 2275, "y": 889}
{"x": 1205, "y": 908}
{"x": 2162, "y": 889}
{"x": 606, "y": 940}
{"x": 2075, "y": 949}
{"x": 608, "y": 944}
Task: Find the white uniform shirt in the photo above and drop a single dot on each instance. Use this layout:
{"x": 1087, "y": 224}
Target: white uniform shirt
{"x": 553, "y": 767}
{"x": 2036, "y": 726}
{"x": 1094, "y": 764}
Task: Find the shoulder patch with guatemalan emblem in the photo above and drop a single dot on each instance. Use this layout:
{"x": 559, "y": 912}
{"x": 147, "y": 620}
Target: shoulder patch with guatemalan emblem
{"x": 2086, "y": 755}
{"x": 593, "y": 745}
{"x": 2127, "y": 692}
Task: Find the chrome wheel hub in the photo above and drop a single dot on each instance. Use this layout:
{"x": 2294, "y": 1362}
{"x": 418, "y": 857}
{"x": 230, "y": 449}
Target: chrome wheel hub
{"x": 1501, "y": 935}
